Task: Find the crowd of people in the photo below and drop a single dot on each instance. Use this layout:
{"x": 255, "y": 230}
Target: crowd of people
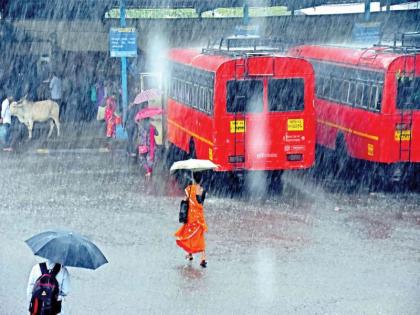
{"x": 92, "y": 99}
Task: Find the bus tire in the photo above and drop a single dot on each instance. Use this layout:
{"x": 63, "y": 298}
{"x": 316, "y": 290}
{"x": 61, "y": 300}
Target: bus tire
{"x": 341, "y": 157}
{"x": 275, "y": 182}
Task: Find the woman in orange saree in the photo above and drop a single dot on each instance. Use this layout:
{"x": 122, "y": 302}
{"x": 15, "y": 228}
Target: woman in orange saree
{"x": 190, "y": 236}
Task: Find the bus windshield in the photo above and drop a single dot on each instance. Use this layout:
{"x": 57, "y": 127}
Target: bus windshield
{"x": 245, "y": 96}
{"x": 285, "y": 95}
{"x": 408, "y": 96}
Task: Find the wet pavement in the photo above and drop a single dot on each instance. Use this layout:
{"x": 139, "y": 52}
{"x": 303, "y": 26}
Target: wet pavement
{"x": 308, "y": 251}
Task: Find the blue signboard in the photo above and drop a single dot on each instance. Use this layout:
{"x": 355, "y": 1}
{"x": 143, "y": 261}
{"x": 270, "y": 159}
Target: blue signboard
{"x": 367, "y": 32}
{"x": 246, "y": 30}
{"x": 123, "y": 42}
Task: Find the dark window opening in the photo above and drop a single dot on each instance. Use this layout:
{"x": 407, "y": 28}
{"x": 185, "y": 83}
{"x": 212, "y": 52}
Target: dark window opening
{"x": 373, "y": 97}
{"x": 344, "y": 93}
{"x": 319, "y": 85}
{"x": 326, "y": 88}
{"x": 245, "y": 96}
{"x": 192, "y": 87}
{"x": 359, "y": 95}
{"x": 335, "y": 95}
{"x": 286, "y": 95}
{"x": 408, "y": 95}
{"x": 379, "y": 99}
{"x": 366, "y": 95}
{"x": 352, "y": 94}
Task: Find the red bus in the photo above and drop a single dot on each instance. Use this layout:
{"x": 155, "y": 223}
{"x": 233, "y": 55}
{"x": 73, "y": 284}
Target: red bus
{"x": 245, "y": 112}
{"x": 367, "y": 104}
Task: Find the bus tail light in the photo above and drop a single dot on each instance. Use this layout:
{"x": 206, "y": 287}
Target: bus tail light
{"x": 236, "y": 159}
{"x": 294, "y": 157}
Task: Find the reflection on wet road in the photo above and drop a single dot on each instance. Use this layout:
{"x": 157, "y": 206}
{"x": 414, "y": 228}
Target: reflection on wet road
{"x": 305, "y": 252}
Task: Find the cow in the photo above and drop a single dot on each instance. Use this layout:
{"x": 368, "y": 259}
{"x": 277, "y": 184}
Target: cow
{"x": 29, "y": 112}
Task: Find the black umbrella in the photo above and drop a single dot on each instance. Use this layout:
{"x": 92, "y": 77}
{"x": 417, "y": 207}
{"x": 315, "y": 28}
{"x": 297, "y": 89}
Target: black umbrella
{"x": 67, "y": 248}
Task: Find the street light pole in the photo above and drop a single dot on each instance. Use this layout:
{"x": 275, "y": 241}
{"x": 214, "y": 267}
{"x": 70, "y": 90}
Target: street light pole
{"x": 367, "y": 10}
{"x": 123, "y": 65}
{"x": 245, "y": 13}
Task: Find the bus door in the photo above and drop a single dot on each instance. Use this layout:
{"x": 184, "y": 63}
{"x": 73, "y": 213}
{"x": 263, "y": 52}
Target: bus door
{"x": 406, "y": 128}
{"x": 244, "y": 105}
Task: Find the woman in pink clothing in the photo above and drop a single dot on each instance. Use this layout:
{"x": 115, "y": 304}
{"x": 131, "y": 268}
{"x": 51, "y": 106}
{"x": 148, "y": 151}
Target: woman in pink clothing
{"x": 110, "y": 116}
{"x": 147, "y": 145}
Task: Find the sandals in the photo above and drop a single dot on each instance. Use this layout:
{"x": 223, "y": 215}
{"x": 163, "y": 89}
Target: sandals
{"x": 189, "y": 257}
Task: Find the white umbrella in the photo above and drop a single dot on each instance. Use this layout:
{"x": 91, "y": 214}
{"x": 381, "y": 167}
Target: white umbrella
{"x": 193, "y": 165}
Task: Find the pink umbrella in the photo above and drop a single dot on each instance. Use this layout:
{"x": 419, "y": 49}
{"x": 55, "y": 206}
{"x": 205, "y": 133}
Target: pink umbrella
{"x": 146, "y": 96}
{"x": 148, "y": 112}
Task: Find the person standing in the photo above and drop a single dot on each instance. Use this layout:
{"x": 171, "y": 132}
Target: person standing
{"x": 56, "y": 92}
{"x": 35, "y": 283}
{"x": 190, "y": 236}
{"x": 110, "y": 116}
{"x": 6, "y": 119}
{"x": 132, "y": 128}
{"x": 147, "y": 145}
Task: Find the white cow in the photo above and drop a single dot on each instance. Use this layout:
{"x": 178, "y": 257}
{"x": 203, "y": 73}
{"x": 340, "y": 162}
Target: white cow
{"x": 29, "y": 112}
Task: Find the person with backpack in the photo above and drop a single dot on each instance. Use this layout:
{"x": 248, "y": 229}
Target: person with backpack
{"x": 48, "y": 284}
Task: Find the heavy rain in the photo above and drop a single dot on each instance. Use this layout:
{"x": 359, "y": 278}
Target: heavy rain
{"x": 301, "y": 117}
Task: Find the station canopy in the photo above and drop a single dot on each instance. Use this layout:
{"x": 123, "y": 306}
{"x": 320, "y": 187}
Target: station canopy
{"x": 96, "y": 9}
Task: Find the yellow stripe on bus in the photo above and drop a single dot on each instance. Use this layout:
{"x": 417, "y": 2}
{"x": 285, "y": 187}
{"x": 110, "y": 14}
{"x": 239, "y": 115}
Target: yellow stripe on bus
{"x": 190, "y": 132}
{"x": 357, "y": 133}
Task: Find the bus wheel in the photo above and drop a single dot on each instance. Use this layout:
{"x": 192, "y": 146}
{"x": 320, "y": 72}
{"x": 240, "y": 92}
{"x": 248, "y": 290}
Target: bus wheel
{"x": 170, "y": 155}
{"x": 274, "y": 182}
{"x": 341, "y": 158}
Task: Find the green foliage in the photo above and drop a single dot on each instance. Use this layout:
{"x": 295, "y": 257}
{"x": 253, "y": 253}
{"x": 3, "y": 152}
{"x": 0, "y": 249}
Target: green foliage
{"x": 191, "y": 13}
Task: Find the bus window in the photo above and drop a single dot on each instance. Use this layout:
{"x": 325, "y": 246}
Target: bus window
{"x": 194, "y": 96}
{"x": 379, "y": 99}
{"x": 326, "y": 88}
{"x": 359, "y": 94}
{"x": 319, "y": 84}
{"x": 285, "y": 95}
{"x": 366, "y": 95}
{"x": 344, "y": 92}
{"x": 335, "y": 89}
{"x": 209, "y": 101}
{"x": 373, "y": 97}
{"x": 352, "y": 94}
{"x": 178, "y": 90}
{"x": 408, "y": 95}
{"x": 202, "y": 99}
{"x": 245, "y": 96}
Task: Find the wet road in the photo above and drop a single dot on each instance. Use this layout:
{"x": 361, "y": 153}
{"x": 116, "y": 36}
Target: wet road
{"x": 306, "y": 252}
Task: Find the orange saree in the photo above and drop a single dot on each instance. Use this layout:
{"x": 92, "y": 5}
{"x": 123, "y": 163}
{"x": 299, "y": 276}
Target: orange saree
{"x": 190, "y": 236}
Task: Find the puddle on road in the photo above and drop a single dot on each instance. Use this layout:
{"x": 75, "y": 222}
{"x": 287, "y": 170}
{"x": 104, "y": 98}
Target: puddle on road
{"x": 370, "y": 228}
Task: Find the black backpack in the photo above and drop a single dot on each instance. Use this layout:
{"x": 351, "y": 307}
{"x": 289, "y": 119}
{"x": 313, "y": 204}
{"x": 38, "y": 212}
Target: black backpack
{"x": 183, "y": 211}
{"x": 45, "y": 292}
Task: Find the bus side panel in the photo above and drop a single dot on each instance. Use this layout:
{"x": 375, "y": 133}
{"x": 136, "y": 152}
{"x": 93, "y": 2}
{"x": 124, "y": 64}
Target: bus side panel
{"x": 327, "y": 128}
{"x": 176, "y": 133}
{"x": 188, "y": 126}
{"x": 204, "y": 140}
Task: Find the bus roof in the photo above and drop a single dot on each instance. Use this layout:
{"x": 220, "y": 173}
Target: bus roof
{"x": 195, "y": 58}
{"x": 211, "y": 62}
{"x": 379, "y": 58}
